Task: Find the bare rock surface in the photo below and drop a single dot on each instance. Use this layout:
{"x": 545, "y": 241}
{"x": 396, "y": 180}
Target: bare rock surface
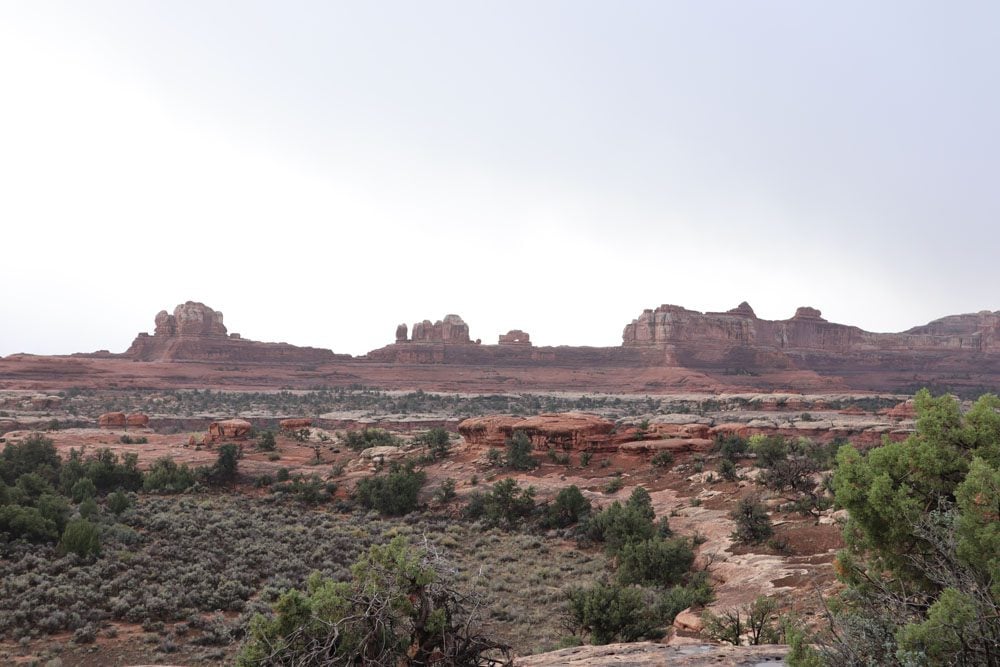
{"x": 648, "y": 653}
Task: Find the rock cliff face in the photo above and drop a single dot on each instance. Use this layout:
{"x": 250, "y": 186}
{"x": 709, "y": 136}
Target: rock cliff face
{"x": 671, "y": 325}
{"x": 195, "y": 332}
{"x": 738, "y": 340}
{"x": 190, "y": 319}
{"x": 669, "y": 348}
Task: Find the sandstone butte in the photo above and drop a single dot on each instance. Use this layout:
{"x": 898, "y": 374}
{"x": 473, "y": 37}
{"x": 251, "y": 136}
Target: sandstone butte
{"x": 663, "y": 350}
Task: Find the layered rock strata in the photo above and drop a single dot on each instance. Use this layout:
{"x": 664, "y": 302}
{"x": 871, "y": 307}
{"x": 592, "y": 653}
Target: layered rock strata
{"x": 739, "y": 341}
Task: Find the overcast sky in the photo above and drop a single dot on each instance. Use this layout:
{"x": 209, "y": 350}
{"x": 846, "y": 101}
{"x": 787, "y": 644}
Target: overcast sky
{"x": 322, "y": 171}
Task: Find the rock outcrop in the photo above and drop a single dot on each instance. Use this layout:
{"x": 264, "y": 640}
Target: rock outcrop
{"x": 567, "y": 431}
{"x": 737, "y": 341}
{"x": 452, "y": 329}
{"x": 195, "y": 332}
{"x": 515, "y": 337}
{"x": 667, "y": 349}
{"x": 671, "y": 325}
{"x": 111, "y": 420}
{"x": 295, "y": 424}
{"x": 190, "y": 319}
{"x": 683, "y": 433}
{"x": 137, "y": 420}
{"x": 640, "y": 654}
{"x": 228, "y": 429}
{"x": 122, "y": 420}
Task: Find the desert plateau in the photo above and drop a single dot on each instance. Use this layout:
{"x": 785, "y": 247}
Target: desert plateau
{"x": 693, "y": 499}
{"x": 459, "y": 333}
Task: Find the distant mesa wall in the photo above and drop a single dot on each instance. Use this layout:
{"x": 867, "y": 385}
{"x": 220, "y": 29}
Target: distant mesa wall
{"x": 734, "y": 346}
{"x": 447, "y": 341}
{"x": 195, "y": 332}
{"x": 671, "y": 325}
{"x": 739, "y": 339}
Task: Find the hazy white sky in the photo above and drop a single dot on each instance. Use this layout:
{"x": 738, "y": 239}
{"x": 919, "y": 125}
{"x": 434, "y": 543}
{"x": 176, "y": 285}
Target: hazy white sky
{"x": 322, "y": 171}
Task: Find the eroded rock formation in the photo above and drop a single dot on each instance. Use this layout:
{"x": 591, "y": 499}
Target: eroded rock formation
{"x": 190, "y": 319}
{"x": 295, "y": 424}
{"x": 111, "y": 420}
{"x": 137, "y": 420}
{"x": 567, "y": 430}
{"x": 228, "y": 429}
{"x": 515, "y": 337}
{"x": 195, "y": 332}
{"x": 739, "y": 342}
{"x": 806, "y": 330}
{"x": 452, "y": 329}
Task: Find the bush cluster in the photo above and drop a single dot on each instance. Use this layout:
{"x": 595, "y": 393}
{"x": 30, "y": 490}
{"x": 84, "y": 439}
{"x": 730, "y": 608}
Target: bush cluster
{"x": 393, "y": 493}
{"x": 653, "y": 581}
{"x": 368, "y": 437}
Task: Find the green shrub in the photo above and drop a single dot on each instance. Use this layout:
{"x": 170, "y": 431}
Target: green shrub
{"x": 27, "y": 523}
{"x": 445, "y": 492}
{"x": 569, "y": 507}
{"x": 118, "y": 502}
{"x": 167, "y": 476}
{"x": 769, "y": 450}
{"x": 608, "y": 612}
{"x": 82, "y": 490}
{"x": 225, "y": 469}
{"x": 494, "y": 457}
{"x": 656, "y": 561}
{"x": 505, "y": 505}
{"x": 663, "y": 459}
{"x": 921, "y": 563}
{"x": 266, "y": 441}
{"x": 585, "y": 459}
{"x": 614, "y": 486}
{"x": 621, "y": 524}
{"x": 368, "y": 437}
{"x": 730, "y": 446}
{"x": 519, "y": 452}
{"x": 81, "y": 537}
{"x": 394, "y": 493}
{"x": 727, "y": 470}
{"x": 306, "y": 489}
{"x": 753, "y": 526}
{"x": 108, "y": 472}
{"x": 35, "y": 454}
{"x": 437, "y": 441}
{"x": 282, "y": 475}
{"x": 696, "y": 593}
{"x": 89, "y": 509}
{"x": 397, "y": 609}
